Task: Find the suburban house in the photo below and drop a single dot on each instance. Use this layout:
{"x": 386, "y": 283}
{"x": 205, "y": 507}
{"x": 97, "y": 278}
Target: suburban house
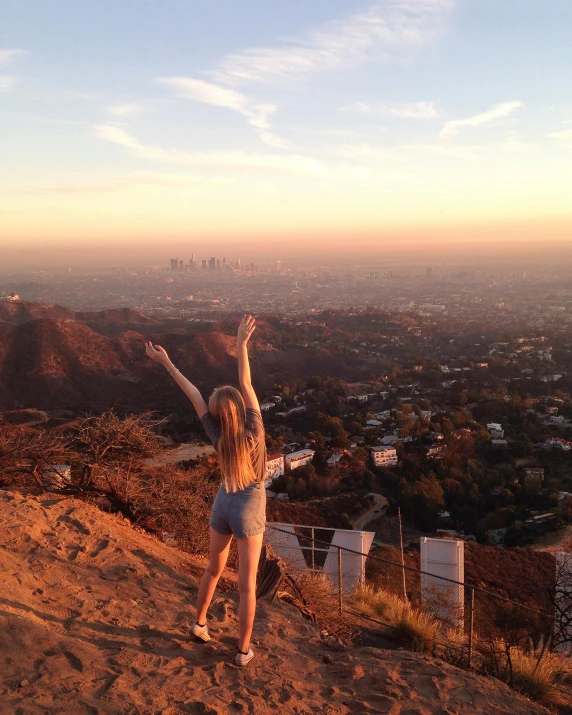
{"x": 274, "y": 467}
{"x": 299, "y": 458}
{"x": 559, "y": 443}
{"x": 334, "y": 458}
{"x": 537, "y": 472}
{"x": 384, "y": 456}
{"x": 496, "y": 430}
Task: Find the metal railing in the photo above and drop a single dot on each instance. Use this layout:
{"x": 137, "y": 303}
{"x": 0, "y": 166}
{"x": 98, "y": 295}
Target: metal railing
{"x": 472, "y": 627}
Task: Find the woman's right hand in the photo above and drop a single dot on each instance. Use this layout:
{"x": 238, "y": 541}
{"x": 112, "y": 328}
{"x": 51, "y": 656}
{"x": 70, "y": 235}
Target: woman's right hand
{"x": 157, "y": 353}
{"x": 245, "y": 329}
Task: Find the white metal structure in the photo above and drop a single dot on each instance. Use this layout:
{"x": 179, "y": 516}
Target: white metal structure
{"x": 285, "y": 542}
{"x": 443, "y": 559}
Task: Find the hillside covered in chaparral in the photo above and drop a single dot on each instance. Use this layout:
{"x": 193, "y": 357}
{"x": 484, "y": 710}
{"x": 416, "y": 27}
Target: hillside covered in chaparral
{"x": 95, "y": 615}
{"x": 52, "y": 357}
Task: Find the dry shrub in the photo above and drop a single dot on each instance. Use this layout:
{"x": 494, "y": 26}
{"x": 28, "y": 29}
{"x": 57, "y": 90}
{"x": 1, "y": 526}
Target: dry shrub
{"x": 179, "y": 502}
{"x": 25, "y": 452}
{"x": 537, "y": 672}
{"x": 319, "y": 596}
{"x": 110, "y": 450}
{"x": 454, "y": 647}
{"x": 416, "y": 629}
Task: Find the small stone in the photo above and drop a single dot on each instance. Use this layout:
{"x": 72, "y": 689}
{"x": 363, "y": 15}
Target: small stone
{"x": 24, "y": 683}
{"x": 327, "y": 659}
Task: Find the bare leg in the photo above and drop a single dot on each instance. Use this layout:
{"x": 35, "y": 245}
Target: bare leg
{"x": 220, "y": 546}
{"x": 248, "y": 558}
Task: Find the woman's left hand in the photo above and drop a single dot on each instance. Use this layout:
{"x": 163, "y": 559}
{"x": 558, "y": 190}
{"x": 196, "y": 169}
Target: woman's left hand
{"x": 157, "y": 353}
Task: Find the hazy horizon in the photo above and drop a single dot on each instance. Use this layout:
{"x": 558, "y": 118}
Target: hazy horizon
{"x": 291, "y": 253}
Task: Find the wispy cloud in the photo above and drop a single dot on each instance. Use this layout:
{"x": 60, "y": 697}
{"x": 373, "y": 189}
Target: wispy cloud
{"x": 386, "y": 27}
{"x": 257, "y": 114}
{"x": 513, "y": 143}
{"x": 113, "y": 184}
{"x": 239, "y": 160}
{"x": 565, "y": 135}
{"x": 410, "y": 110}
{"x": 498, "y": 111}
{"x": 6, "y": 56}
{"x": 406, "y": 152}
{"x": 124, "y": 110}
{"x": 6, "y": 83}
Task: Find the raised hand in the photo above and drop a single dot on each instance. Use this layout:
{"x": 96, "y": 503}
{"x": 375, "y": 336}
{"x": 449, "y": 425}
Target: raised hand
{"x": 245, "y": 329}
{"x": 157, "y": 353}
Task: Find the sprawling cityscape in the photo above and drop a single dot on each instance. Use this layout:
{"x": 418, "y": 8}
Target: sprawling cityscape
{"x": 534, "y": 297}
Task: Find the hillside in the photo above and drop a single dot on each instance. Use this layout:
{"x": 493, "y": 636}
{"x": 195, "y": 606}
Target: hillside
{"x": 94, "y": 618}
{"x": 23, "y": 312}
{"x": 116, "y": 320}
{"x": 52, "y": 358}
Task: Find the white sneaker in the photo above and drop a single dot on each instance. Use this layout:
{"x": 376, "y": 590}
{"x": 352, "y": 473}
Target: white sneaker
{"x": 201, "y": 632}
{"x": 244, "y": 659}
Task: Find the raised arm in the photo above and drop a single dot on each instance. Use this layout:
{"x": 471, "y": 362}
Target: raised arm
{"x": 245, "y": 330}
{"x": 159, "y": 354}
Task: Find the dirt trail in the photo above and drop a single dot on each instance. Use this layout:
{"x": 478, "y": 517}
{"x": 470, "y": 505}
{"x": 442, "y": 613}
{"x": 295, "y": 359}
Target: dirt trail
{"x": 185, "y": 451}
{"x": 377, "y": 510}
{"x": 94, "y": 619}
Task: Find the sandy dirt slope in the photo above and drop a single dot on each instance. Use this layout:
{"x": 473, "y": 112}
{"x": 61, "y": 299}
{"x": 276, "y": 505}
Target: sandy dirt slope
{"x": 94, "y": 619}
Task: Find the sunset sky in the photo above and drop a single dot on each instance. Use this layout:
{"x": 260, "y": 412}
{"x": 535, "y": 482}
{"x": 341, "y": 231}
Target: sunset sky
{"x": 137, "y": 121}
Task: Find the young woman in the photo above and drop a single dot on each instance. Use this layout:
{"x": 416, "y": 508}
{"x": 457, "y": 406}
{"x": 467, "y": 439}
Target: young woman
{"x": 233, "y": 422}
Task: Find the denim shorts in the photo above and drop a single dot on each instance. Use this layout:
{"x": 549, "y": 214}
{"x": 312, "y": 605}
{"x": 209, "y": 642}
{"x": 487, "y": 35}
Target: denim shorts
{"x": 242, "y": 513}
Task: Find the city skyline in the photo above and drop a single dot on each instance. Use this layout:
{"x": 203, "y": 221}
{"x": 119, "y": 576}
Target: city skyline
{"x": 340, "y": 123}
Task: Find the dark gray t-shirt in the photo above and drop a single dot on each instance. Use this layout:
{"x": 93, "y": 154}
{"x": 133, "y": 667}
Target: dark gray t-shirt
{"x": 254, "y": 435}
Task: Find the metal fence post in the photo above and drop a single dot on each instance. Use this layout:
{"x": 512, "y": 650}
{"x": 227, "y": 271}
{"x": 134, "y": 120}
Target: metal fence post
{"x": 471, "y": 624}
{"x": 313, "y": 560}
{"x": 340, "y": 597}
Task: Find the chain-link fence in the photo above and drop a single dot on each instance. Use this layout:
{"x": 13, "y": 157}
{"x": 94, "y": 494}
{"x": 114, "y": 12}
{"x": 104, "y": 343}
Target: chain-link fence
{"x": 461, "y": 622}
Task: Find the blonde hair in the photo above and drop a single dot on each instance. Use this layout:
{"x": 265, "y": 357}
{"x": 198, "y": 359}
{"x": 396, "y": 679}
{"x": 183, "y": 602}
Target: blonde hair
{"x": 227, "y": 407}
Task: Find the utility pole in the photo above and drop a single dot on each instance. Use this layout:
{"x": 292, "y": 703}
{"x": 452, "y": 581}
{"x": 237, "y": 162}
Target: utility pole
{"x": 402, "y": 555}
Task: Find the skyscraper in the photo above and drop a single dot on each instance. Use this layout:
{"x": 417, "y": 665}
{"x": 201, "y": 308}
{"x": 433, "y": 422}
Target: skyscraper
{"x": 181, "y": 264}
{"x": 212, "y": 263}
{"x": 204, "y": 264}
{"x": 193, "y": 263}
{"x": 277, "y": 266}
{"x": 174, "y": 264}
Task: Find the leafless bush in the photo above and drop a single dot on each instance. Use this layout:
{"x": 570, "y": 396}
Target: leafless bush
{"x": 25, "y": 452}
{"x": 178, "y": 502}
{"x": 110, "y": 449}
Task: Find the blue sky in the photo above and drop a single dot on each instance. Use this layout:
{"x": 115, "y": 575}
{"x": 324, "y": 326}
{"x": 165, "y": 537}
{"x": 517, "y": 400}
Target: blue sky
{"x": 125, "y": 118}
